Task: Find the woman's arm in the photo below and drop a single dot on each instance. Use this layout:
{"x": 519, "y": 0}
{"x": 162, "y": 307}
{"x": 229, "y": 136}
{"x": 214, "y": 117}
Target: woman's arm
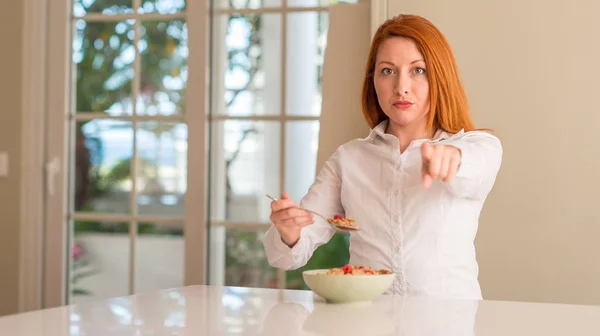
{"x": 323, "y": 197}
{"x": 480, "y": 160}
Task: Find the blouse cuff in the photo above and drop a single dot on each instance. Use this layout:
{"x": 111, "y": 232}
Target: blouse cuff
{"x": 284, "y": 248}
{"x": 468, "y": 164}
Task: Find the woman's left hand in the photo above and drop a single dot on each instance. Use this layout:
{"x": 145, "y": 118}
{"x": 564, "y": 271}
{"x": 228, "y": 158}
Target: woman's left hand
{"x": 440, "y": 162}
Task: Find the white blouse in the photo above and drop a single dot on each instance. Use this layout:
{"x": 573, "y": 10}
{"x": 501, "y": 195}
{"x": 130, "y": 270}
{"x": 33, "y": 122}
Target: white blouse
{"x": 425, "y": 236}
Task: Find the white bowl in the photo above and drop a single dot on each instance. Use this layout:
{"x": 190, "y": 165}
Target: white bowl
{"x": 347, "y": 288}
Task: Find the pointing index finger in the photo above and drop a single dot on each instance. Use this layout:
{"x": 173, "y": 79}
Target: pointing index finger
{"x": 426, "y": 151}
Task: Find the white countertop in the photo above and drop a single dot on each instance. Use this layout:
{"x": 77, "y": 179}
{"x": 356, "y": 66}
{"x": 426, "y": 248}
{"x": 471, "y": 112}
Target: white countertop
{"x": 206, "y": 310}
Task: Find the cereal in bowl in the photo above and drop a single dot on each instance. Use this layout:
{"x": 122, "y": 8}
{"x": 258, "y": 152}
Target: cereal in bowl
{"x": 356, "y": 270}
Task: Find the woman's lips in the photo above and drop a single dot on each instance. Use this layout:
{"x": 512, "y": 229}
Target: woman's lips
{"x": 403, "y": 104}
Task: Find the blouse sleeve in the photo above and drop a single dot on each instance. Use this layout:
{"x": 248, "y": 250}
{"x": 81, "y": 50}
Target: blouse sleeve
{"x": 323, "y": 197}
{"x": 481, "y": 157}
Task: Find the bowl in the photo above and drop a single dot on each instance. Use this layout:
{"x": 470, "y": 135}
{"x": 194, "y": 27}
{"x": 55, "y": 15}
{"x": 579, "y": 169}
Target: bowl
{"x": 347, "y": 288}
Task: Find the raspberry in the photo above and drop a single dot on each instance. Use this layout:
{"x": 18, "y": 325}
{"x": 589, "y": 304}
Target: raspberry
{"x": 347, "y": 269}
{"x": 338, "y": 217}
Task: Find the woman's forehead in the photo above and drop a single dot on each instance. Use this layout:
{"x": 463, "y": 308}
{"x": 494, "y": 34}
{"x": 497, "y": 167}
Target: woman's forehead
{"x": 398, "y": 50}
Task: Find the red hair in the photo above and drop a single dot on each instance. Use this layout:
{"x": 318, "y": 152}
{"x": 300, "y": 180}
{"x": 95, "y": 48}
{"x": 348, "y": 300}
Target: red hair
{"x": 449, "y": 108}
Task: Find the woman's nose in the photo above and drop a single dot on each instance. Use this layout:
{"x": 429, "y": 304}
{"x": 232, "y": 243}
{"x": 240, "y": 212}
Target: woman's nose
{"x": 400, "y": 90}
{"x": 401, "y": 86}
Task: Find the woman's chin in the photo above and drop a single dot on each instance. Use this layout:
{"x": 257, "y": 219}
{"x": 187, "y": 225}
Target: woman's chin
{"x": 406, "y": 120}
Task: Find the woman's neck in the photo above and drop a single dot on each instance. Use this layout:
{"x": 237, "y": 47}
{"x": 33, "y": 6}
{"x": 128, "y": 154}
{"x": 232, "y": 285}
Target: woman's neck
{"x": 409, "y": 133}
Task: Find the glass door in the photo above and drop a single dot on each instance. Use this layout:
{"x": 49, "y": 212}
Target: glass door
{"x": 266, "y": 65}
{"x": 126, "y": 148}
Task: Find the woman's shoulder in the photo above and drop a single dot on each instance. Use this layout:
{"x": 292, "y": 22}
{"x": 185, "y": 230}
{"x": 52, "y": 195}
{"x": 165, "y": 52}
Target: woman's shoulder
{"x": 354, "y": 147}
{"x": 484, "y": 141}
{"x": 477, "y": 135}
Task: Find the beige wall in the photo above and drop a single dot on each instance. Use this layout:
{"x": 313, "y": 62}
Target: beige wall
{"x": 10, "y": 141}
{"x": 531, "y": 70}
{"x": 348, "y": 39}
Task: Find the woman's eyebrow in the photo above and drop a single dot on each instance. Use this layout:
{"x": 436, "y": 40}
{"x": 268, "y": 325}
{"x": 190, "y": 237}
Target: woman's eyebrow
{"x": 392, "y": 63}
{"x": 386, "y": 62}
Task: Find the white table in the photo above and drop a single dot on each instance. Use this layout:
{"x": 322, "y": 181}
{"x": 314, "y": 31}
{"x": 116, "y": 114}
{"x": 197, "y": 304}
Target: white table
{"x": 206, "y": 310}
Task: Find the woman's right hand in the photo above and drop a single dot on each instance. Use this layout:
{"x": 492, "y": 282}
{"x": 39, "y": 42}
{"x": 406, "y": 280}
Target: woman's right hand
{"x": 289, "y": 219}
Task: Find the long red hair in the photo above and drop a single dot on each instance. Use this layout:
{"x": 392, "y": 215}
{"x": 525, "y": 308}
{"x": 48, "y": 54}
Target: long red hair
{"x": 449, "y": 108}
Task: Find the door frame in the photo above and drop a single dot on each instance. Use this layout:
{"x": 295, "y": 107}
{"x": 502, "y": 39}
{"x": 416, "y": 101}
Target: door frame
{"x": 32, "y": 154}
{"x": 56, "y": 154}
{"x": 379, "y": 13}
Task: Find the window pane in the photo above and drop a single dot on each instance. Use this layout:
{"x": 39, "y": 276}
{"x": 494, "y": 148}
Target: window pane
{"x": 309, "y": 3}
{"x": 99, "y": 260}
{"x": 247, "y": 65}
{"x": 301, "y": 143}
{"x": 162, "y": 6}
{"x": 108, "y": 7}
{"x": 102, "y": 166}
{"x": 103, "y": 55}
{"x": 241, "y": 4}
{"x": 159, "y": 257}
{"x": 307, "y": 36}
{"x": 244, "y": 167}
{"x": 162, "y": 168}
{"x": 245, "y": 260}
{"x": 164, "y": 50}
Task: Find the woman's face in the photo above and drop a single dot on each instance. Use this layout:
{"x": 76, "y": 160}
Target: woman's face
{"x": 401, "y": 83}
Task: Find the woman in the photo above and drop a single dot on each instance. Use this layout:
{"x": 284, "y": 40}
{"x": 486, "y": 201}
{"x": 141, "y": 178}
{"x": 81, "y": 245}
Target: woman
{"x": 415, "y": 185}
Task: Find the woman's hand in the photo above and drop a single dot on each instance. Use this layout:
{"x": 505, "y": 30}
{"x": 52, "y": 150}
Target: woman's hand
{"x": 440, "y": 162}
{"x": 289, "y": 219}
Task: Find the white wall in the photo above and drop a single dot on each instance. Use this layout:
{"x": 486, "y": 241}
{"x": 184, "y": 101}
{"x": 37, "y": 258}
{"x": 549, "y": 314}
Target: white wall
{"x": 531, "y": 70}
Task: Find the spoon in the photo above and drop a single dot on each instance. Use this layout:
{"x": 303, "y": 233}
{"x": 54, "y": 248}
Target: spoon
{"x": 337, "y": 226}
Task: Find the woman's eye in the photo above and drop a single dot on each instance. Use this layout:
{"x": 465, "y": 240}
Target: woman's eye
{"x": 387, "y": 71}
{"x": 420, "y": 71}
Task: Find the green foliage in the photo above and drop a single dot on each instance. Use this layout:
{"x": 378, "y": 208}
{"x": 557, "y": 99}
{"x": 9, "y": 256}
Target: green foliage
{"x": 104, "y": 53}
{"x": 333, "y": 254}
{"x": 245, "y": 260}
{"x": 105, "y": 182}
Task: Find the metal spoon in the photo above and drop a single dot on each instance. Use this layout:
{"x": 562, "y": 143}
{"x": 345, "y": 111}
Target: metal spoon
{"x": 336, "y": 226}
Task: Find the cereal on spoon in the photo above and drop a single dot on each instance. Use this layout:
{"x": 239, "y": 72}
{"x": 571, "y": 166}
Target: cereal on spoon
{"x": 345, "y": 222}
